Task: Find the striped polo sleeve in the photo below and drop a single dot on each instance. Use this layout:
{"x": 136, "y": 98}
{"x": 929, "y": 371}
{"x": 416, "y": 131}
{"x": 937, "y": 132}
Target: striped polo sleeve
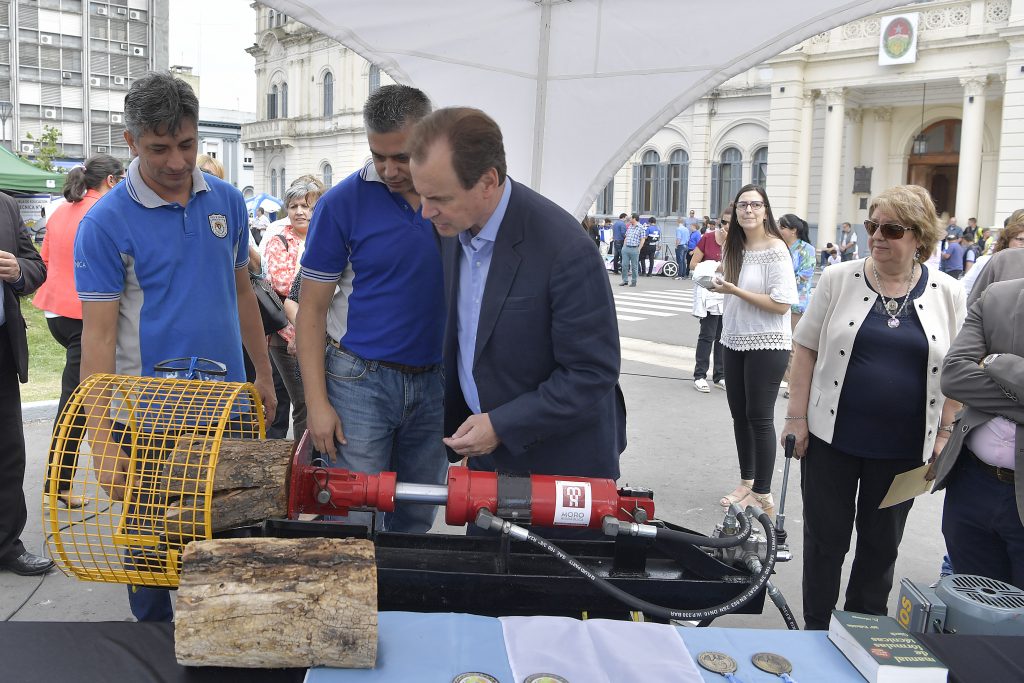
{"x": 99, "y": 263}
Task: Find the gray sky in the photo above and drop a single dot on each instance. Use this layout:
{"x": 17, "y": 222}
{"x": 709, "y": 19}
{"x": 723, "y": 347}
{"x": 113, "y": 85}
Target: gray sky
{"x": 211, "y": 37}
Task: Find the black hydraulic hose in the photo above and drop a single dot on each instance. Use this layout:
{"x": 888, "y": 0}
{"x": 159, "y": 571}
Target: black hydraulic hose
{"x": 708, "y": 541}
{"x": 486, "y": 520}
{"x": 777, "y": 597}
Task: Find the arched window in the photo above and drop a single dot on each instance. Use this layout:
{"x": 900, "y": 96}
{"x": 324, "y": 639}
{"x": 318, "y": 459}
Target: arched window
{"x": 272, "y": 103}
{"x": 726, "y": 179}
{"x": 328, "y": 175}
{"x": 759, "y": 167}
{"x": 273, "y": 182}
{"x": 678, "y": 178}
{"x": 284, "y": 184}
{"x": 647, "y": 182}
{"x": 272, "y": 18}
{"x": 374, "y": 78}
{"x": 328, "y": 94}
{"x": 284, "y": 100}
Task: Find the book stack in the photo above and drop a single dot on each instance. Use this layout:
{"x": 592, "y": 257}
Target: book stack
{"x": 882, "y": 651}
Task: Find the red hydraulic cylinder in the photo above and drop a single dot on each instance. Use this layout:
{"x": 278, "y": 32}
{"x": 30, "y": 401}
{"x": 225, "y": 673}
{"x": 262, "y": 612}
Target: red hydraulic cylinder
{"x": 555, "y": 500}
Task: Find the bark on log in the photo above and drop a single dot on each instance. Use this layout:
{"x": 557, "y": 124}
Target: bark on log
{"x": 272, "y": 602}
{"x": 250, "y": 484}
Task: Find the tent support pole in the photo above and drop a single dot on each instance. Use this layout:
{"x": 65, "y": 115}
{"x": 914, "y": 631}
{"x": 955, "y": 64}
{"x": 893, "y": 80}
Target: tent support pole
{"x": 540, "y": 112}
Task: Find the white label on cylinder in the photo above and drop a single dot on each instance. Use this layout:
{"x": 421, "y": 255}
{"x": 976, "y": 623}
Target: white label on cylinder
{"x": 572, "y": 503}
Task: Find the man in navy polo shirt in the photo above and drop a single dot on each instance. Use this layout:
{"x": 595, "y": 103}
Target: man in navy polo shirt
{"x": 373, "y": 285}
{"x": 161, "y": 269}
{"x": 618, "y": 235}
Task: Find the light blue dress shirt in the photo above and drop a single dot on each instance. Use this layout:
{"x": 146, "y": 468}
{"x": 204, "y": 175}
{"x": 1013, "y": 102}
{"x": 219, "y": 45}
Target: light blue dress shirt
{"x": 473, "y": 268}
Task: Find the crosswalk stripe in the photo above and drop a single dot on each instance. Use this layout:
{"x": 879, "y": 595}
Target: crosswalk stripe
{"x": 628, "y": 318}
{"x": 659, "y": 314}
{"x": 669, "y": 295}
{"x": 657, "y": 307}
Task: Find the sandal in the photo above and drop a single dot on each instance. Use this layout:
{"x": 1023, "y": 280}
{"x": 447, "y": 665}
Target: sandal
{"x": 738, "y": 494}
{"x": 765, "y": 501}
{"x": 70, "y": 502}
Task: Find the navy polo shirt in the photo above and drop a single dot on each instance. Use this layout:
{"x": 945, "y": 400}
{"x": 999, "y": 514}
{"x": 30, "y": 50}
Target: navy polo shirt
{"x": 386, "y": 260}
{"x": 171, "y": 267}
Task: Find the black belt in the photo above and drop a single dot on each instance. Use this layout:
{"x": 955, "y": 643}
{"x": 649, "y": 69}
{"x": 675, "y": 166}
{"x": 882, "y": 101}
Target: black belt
{"x": 1001, "y": 473}
{"x": 406, "y": 369}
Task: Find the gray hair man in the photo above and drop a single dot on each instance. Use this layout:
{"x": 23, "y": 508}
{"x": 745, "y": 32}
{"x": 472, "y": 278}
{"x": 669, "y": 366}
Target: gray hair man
{"x": 374, "y": 395}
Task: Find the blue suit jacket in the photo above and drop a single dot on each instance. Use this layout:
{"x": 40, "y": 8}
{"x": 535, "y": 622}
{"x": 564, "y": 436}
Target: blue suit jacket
{"x": 547, "y": 349}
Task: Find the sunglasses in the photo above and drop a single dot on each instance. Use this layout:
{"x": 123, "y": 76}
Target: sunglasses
{"x": 890, "y": 231}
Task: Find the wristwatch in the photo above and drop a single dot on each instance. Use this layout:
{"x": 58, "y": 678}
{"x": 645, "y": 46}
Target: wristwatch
{"x": 989, "y": 359}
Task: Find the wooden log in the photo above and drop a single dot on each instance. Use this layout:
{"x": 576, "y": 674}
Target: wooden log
{"x": 250, "y": 484}
{"x": 273, "y": 602}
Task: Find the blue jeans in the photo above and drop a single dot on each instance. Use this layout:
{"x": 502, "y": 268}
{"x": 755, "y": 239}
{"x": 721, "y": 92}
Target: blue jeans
{"x": 630, "y": 263}
{"x": 393, "y": 421}
{"x": 682, "y": 261}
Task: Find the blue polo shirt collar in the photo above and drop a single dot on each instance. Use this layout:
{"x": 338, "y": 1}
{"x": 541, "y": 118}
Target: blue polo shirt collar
{"x": 139, "y": 191}
{"x": 489, "y": 232}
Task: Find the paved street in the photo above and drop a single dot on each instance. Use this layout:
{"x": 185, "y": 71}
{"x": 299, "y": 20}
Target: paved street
{"x": 680, "y": 445}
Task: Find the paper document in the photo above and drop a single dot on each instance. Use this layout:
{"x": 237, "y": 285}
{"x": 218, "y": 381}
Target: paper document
{"x": 906, "y": 486}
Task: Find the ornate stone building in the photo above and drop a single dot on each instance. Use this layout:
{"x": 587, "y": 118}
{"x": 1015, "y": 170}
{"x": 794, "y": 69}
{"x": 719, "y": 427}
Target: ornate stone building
{"x": 806, "y": 123}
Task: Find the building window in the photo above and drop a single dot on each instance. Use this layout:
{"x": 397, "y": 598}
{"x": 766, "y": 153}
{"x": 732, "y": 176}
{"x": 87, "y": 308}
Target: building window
{"x": 726, "y": 179}
{"x": 646, "y": 182}
{"x": 328, "y": 94}
{"x": 759, "y": 167}
{"x": 284, "y": 185}
{"x": 374, "y": 78}
{"x": 606, "y": 200}
{"x": 273, "y": 182}
{"x": 272, "y": 103}
{"x": 328, "y": 175}
{"x": 284, "y": 100}
{"x": 678, "y": 179}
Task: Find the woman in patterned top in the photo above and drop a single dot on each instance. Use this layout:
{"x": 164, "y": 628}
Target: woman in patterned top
{"x": 796, "y": 235}
{"x": 760, "y": 289}
{"x": 282, "y": 261}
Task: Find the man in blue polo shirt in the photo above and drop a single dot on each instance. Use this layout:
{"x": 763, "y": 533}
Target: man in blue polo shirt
{"x": 161, "y": 269}
{"x": 373, "y": 285}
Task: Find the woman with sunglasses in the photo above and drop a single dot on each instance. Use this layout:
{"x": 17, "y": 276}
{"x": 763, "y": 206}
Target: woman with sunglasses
{"x": 760, "y": 288}
{"x": 57, "y": 298}
{"x": 865, "y": 401}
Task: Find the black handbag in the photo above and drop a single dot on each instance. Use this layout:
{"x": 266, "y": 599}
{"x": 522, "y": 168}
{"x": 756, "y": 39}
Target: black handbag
{"x": 271, "y": 308}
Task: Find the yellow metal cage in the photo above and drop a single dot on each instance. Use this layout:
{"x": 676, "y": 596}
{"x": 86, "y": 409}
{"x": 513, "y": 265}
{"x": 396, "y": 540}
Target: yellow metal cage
{"x": 141, "y": 452}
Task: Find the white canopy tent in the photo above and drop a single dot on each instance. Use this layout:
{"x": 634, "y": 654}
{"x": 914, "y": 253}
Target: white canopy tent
{"x": 576, "y": 85}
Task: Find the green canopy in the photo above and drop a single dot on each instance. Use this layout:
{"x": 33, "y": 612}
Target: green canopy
{"x": 18, "y": 175}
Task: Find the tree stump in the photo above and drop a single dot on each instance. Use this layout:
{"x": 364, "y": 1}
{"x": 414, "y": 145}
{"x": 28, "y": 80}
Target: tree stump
{"x": 274, "y": 603}
{"x": 250, "y": 485}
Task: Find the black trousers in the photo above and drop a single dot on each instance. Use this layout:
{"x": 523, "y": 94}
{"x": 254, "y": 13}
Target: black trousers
{"x": 752, "y": 389}
{"x": 839, "y": 491}
{"x": 710, "y": 335}
{"x": 13, "y": 513}
{"x": 617, "y": 264}
{"x": 68, "y": 333}
{"x": 647, "y": 253}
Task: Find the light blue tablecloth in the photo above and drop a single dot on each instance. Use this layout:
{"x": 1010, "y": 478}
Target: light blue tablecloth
{"x": 424, "y": 648}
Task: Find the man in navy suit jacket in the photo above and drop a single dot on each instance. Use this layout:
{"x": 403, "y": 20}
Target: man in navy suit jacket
{"x": 532, "y": 345}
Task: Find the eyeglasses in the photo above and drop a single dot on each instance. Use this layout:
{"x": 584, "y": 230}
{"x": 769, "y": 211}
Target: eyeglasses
{"x": 755, "y": 206}
{"x": 890, "y": 231}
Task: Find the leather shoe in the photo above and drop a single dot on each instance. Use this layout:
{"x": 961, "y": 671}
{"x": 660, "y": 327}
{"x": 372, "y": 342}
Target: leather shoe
{"x": 28, "y": 564}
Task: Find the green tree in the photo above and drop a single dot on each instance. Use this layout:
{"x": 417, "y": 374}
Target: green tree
{"x": 47, "y": 149}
